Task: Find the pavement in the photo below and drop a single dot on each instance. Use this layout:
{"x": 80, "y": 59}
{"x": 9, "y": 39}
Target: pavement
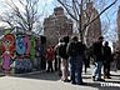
{"x": 41, "y": 80}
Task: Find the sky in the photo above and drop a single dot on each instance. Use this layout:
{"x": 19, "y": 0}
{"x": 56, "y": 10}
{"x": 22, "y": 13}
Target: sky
{"x": 110, "y": 17}
{"x": 45, "y": 6}
{"x": 48, "y": 6}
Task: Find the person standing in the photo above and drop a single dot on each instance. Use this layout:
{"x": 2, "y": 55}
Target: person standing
{"x": 86, "y": 59}
{"x": 50, "y": 54}
{"x": 57, "y": 63}
{"x": 76, "y": 53}
{"x": 108, "y": 59}
{"x": 64, "y": 59}
{"x": 98, "y": 51}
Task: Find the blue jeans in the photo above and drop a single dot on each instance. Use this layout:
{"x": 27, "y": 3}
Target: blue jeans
{"x": 97, "y": 71}
{"x": 76, "y": 64}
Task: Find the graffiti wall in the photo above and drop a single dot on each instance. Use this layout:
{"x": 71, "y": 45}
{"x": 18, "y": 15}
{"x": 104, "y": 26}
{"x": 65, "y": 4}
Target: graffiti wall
{"x": 20, "y": 52}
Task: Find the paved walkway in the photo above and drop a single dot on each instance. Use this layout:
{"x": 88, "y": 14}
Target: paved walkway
{"x": 42, "y": 80}
{"x": 51, "y": 81}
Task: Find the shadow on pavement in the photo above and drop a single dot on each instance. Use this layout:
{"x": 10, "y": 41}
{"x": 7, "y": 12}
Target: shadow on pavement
{"x": 107, "y": 85}
{"x": 113, "y": 77}
{"x": 52, "y": 76}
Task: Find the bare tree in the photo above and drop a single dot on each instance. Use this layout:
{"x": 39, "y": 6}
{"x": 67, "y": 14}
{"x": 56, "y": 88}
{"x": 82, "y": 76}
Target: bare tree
{"x": 24, "y": 16}
{"x": 76, "y": 9}
{"x": 118, "y": 23}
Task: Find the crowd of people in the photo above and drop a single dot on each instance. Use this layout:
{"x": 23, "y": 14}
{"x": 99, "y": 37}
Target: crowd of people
{"x": 71, "y": 53}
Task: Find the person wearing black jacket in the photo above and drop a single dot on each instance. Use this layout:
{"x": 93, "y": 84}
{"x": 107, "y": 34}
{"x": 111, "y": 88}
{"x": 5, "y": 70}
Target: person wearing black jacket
{"x": 57, "y": 63}
{"x": 108, "y": 59}
{"x": 64, "y": 58}
{"x": 98, "y": 51}
{"x": 76, "y": 54}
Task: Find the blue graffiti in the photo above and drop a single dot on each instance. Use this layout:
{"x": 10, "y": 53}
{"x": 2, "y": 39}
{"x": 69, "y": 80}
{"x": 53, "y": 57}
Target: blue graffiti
{"x": 20, "y": 45}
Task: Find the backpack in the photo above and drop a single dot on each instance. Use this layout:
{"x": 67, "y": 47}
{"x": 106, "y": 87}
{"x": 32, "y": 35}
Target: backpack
{"x": 62, "y": 51}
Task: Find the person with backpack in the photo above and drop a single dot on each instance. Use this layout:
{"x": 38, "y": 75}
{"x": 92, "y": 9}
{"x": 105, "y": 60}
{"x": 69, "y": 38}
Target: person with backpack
{"x": 57, "y": 63}
{"x": 64, "y": 59}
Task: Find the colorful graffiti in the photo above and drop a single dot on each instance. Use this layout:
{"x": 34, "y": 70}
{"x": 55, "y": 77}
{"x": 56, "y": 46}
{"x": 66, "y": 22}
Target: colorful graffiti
{"x": 8, "y": 43}
{"x": 32, "y": 49}
{"x": 8, "y": 49}
{"x": 19, "y": 52}
{"x": 20, "y": 45}
{"x": 27, "y": 44}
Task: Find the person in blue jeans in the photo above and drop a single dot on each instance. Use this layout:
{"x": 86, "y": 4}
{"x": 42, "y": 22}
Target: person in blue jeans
{"x": 98, "y": 51}
{"x": 75, "y": 51}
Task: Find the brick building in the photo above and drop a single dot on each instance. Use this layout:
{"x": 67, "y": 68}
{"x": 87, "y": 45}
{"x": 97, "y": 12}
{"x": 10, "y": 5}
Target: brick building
{"x": 57, "y": 25}
{"x": 94, "y": 29}
{"x": 118, "y": 25}
{"x": 117, "y": 43}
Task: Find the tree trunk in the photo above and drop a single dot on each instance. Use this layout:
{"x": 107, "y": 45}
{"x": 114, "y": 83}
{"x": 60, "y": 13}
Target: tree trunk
{"x": 80, "y": 22}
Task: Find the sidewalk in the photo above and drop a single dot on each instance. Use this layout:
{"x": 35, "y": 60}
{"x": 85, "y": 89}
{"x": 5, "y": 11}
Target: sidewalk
{"x": 29, "y": 73}
{"x": 2, "y": 74}
{"x": 88, "y": 74}
{"x": 23, "y": 74}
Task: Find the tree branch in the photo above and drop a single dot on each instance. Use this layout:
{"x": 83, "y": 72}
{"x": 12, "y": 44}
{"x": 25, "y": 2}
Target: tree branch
{"x": 68, "y": 11}
{"x": 100, "y": 14}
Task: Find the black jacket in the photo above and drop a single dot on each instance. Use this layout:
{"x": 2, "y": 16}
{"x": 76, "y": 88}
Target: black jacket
{"x": 75, "y": 49}
{"x": 98, "y": 51}
{"x": 107, "y": 54}
{"x": 62, "y": 51}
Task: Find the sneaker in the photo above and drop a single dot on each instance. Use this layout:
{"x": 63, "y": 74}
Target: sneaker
{"x": 108, "y": 77}
{"x": 66, "y": 80}
{"x": 60, "y": 74}
{"x": 52, "y": 70}
{"x": 74, "y": 83}
{"x": 48, "y": 70}
{"x": 105, "y": 77}
{"x": 93, "y": 78}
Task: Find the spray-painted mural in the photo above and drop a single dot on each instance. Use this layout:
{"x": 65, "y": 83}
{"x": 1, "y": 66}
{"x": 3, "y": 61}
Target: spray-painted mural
{"x": 8, "y": 52}
{"x": 20, "y": 45}
{"x": 20, "y": 53}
